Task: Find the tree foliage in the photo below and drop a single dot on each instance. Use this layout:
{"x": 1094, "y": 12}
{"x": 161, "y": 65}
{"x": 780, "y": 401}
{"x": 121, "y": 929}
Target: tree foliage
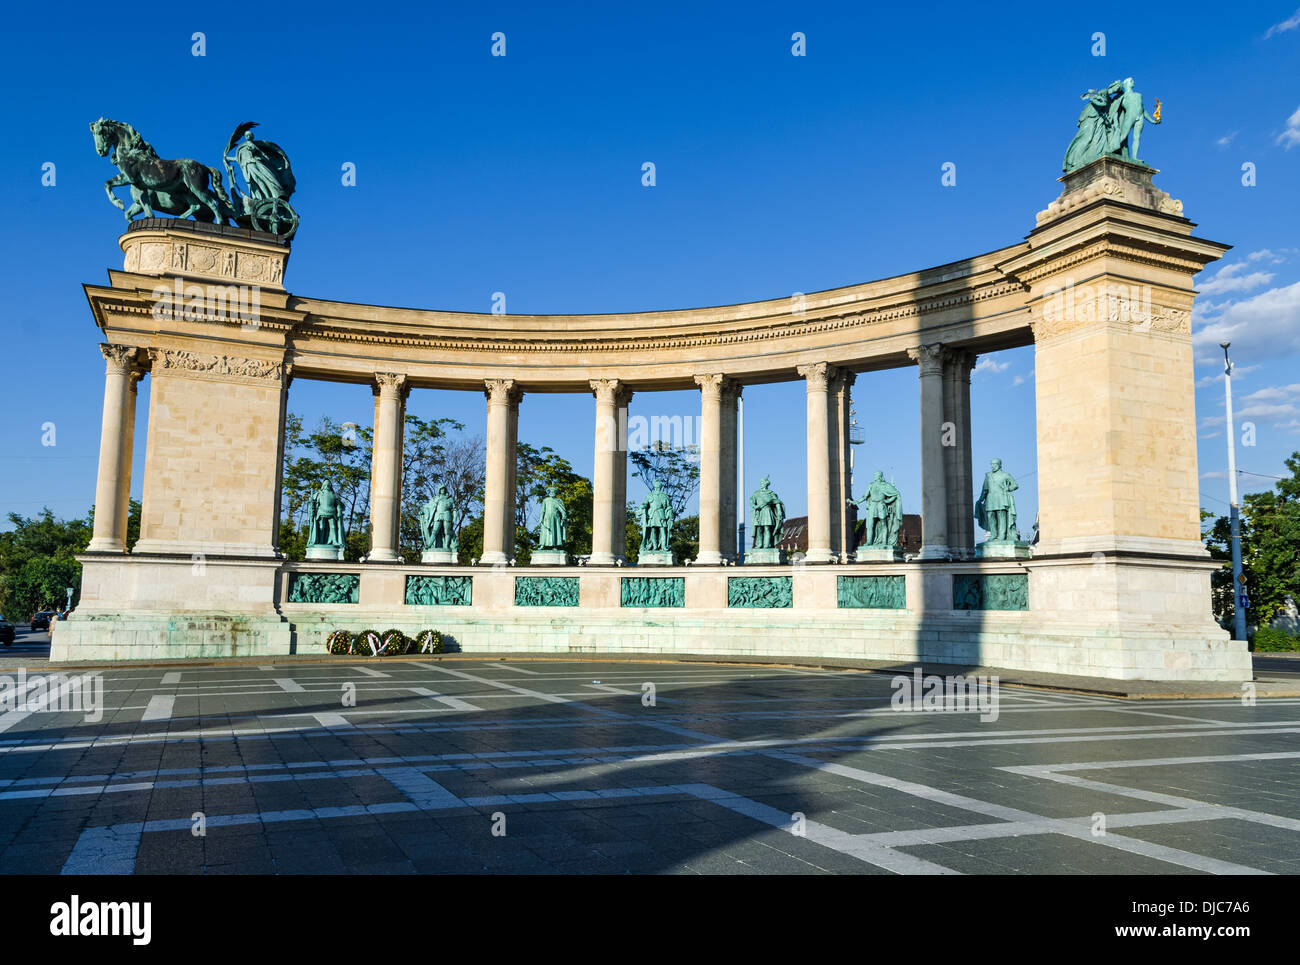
{"x": 37, "y": 560}
{"x": 1270, "y": 548}
{"x": 675, "y": 468}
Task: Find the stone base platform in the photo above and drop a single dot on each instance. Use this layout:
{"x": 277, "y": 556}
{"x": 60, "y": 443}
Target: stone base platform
{"x": 1010, "y": 550}
{"x": 549, "y": 558}
{"x": 655, "y": 558}
{"x": 446, "y": 557}
{"x": 1146, "y": 619}
{"x": 879, "y": 554}
{"x": 761, "y": 557}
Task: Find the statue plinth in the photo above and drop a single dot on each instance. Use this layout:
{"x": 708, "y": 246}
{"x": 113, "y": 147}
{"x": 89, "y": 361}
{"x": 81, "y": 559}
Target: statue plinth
{"x": 879, "y": 554}
{"x": 654, "y": 558}
{"x": 1110, "y": 179}
{"x": 210, "y": 253}
{"x": 1003, "y": 550}
{"x": 325, "y": 553}
{"x": 438, "y": 556}
{"x": 769, "y": 556}
{"x": 549, "y": 558}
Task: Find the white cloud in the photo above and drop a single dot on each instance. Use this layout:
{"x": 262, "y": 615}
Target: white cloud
{"x": 1291, "y": 136}
{"x": 1217, "y": 474}
{"x": 1212, "y": 435}
{"x": 1264, "y": 326}
{"x": 1275, "y": 392}
{"x": 1290, "y": 23}
{"x": 1231, "y": 279}
{"x": 987, "y": 364}
{"x": 1269, "y": 410}
{"x": 1226, "y": 139}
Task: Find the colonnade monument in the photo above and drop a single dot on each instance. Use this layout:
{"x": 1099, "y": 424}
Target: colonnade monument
{"x": 1117, "y": 585}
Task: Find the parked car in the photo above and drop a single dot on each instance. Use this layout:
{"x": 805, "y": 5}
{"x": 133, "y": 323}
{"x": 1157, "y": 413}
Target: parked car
{"x": 6, "y": 632}
{"x": 42, "y": 620}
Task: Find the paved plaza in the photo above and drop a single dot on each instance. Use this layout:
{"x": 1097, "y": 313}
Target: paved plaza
{"x": 468, "y": 766}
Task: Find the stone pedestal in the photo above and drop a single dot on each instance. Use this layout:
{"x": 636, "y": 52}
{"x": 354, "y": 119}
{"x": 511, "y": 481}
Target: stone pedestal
{"x": 438, "y": 556}
{"x": 879, "y": 554}
{"x": 549, "y": 558}
{"x": 325, "y": 553}
{"x": 1003, "y": 550}
{"x": 655, "y": 558}
{"x": 758, "y": 557}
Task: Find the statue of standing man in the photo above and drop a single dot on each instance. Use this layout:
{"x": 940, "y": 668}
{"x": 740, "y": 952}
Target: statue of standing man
{"x": 884, "y": 512}
{"x": 995, "y": 510}
{"x": 769, "y": 516}
{"x": 324, "y": 524}
{"x": 656, "y": 520}
{"x": 553, "y": 530}
{"x": 436, "y": 521}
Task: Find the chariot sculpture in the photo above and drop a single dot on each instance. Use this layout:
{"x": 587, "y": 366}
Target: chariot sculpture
{"x": 188, "y": 188}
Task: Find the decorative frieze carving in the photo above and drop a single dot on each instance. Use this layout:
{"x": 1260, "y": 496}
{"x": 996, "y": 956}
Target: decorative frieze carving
{"x": 202, "y": 363}
{"x": 871, "y": 592}
{"x": 990, "y": 591}
{"x": 642, "y": 591}
{"x": 546, "y": 591}
{"x": 760, "y": 592}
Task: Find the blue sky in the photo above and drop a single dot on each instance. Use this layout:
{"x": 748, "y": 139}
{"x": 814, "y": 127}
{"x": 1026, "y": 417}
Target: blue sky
{"x": 775, "y": 174}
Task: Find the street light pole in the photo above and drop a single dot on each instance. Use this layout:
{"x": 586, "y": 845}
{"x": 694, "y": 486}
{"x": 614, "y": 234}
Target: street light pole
{"x": 1240, "y": 600}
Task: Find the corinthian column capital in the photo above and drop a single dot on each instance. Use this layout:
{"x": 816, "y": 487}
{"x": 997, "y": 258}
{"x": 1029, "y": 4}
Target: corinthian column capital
{"x": 930, "y": 358}
{"x": 391, "y": 385}
{"x": 501, "y": 391}
{"x": 120, "y": 359}
{"x": 611, "y": 391}
{"x": 817, "y": 375}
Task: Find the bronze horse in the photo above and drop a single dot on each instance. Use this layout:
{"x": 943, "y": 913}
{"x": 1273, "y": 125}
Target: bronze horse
{"x": 178, "y": 188}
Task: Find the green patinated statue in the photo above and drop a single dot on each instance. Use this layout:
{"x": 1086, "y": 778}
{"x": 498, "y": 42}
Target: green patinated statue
{"x": 656, "y": 520}
{"x": 553, "y": 530}
{"x": 769, "y": 515}
{"x": 995, "y": 510}
{"x": 324, "y": 524}
{"x": 437, "y": 528}
{"x": 1110, "y": 125}
{"x": 188, "y": 188}
{"x": 884, "y": 513}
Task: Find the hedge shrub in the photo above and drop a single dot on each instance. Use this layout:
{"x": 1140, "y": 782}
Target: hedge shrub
{"x": 1273, "y": 640}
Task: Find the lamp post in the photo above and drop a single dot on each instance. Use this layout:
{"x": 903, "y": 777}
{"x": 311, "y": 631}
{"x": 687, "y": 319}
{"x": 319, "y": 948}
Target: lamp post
{"x": 1240, "y": 601}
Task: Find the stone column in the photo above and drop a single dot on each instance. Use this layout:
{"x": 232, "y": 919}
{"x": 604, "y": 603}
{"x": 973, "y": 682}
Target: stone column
{"x": 621, "y": 402}
{"x": 279, "y": 455}
{"x": 499, "y": 504}
{"x": 609, "y": 478}
{"x": 711, "y": 544}
{"x": 728, "y": 512}
{"x": 957, "y": 453}
{"x": 112, "y": 488}
{"x": 385, "y": 484}
{"x": 934, "y": 490}
{"x": 816, "y": 378}
{"x": 841, "y": 401}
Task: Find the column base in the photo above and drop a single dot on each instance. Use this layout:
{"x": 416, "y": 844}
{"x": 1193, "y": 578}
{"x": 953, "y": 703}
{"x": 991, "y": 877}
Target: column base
{"x": 102, "y": 544}
{"x": 496, "y": 558}
{"x": 709, "y": 558}
{"x": 818, "y": 555}
{"x": 934, "y": 552}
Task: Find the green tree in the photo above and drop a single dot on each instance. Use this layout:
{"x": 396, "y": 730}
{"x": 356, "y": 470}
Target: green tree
{"x": 1270, "y": 547}
{"x": 675, "y": 468}
{"x": 37, "y": 560}
{"x": 339, "y": 454}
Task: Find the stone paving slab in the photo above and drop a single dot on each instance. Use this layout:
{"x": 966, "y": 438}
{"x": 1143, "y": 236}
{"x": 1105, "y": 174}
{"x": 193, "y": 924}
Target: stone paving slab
{"x": 1276, "y": 675}
{"x": 731, "y": 769}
